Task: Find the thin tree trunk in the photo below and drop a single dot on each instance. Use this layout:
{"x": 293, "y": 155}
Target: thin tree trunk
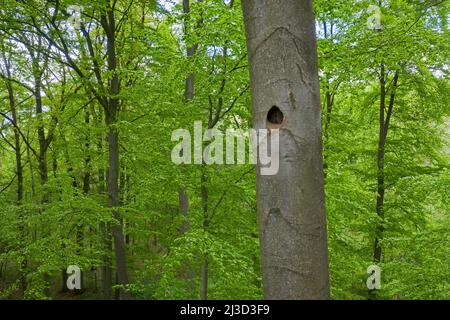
{"x": 384, "y": 121}
{"x": 187, "y": 272}
{"x": 19, "y": 170}
{"x": 87, "y": 160}
{"x": 105, "y": 229}
{"x": 42, "y": 159}
{"x": 204, "y": 265}
{"x": 33, "y": 184}
{"x": 380, "y": 167}
{"x": 329, "y": 107}
{"x": 189, "y": 91}
{"x": 329, "y": 101}
{"x": 86, "y": 189}
{"x": 42, "y": 152}
{"x": 286, "y": 96}
{"x": 108, "y": 22}
{"x": 204, "y": 278}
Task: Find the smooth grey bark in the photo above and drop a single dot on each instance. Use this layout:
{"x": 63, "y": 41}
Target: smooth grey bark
{"x": 291, "y": 204}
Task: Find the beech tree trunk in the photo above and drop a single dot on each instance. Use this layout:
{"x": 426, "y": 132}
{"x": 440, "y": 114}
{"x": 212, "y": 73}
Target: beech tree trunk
{"x": 204, "y": 257}
{"x": 112, "y": 109}
{"x": 291, "y": 204}
{"x": 384, "y": 121}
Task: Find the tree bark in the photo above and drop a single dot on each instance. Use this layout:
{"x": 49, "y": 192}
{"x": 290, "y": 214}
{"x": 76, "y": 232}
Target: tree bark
{"x": 42, "y": 153}
{"x": 384, "y": 121}
{"x": 291, "y": 204}
{"x": 19, "y": 168}
{"x": 104, "y": 227}
{"x": 204, "y": 256}
{"x": 112, "y": 108}
{"x": 187, "y": 272}
{"x": 38, "y": 72}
